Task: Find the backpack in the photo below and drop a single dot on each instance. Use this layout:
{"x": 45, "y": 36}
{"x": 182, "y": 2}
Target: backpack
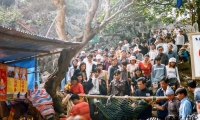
{"x": 194, "y": 109}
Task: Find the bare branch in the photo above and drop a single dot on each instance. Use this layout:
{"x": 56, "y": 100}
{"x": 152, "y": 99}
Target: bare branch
{"x": 115, "y": 5}
{"x": 91, "y": 15}
{"x": 104, "y": 23}
{"x": 108, "y": 10}
{"x": 169, "y": 3}
{"x": 86, "y": 4}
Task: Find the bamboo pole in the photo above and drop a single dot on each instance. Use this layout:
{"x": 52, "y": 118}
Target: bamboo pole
{"x": 122, "y": 97}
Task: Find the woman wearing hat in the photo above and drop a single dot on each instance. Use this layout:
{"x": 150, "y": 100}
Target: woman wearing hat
{"x": 172, "y": 73}
{"x": 132, "y": 66}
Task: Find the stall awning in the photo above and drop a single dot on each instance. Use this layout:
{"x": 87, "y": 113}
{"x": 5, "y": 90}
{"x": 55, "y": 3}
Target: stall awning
{"x": 17, "y": 45}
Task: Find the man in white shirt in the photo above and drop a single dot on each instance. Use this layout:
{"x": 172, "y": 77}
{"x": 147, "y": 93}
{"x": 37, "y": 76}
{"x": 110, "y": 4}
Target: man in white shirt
{"x": 95, "y": 86}
{"x": 180, "y": 40}
{"x": 90, "y": 65}
{"x": 176, "y": 30}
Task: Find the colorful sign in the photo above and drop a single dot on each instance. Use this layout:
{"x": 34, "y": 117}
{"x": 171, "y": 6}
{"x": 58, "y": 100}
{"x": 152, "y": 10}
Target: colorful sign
{"x": 3, "y": 82}
{"x": 10, "y": 82}
{"x": 23, "y": 79}
{"x": 195, "y": 54}
{"x": 17, "y": 83}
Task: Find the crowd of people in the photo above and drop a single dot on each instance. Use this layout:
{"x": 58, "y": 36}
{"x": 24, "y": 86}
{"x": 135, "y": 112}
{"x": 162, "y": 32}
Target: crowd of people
{"x": 143, "y": 67}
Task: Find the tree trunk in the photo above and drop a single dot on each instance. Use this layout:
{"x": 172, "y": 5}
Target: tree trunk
{"x": 55, "y": 79}
{"x": 60, "y": 20}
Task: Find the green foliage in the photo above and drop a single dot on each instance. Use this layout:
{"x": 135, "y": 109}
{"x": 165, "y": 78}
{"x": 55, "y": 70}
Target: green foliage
{"x": 9, "y": 15}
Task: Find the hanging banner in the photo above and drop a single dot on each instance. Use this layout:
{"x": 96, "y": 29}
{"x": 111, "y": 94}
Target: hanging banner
{"x": 10, "y": 82}
{"x": 17, "y": 83}
{"x": 195, "y": 54}
{"x": 23, "y": 79}
{"x": 3, "y": 82}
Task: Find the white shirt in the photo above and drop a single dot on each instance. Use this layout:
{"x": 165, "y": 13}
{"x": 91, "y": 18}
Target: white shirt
{"x": 88, "y": 69}
{"x": 95, "y": 88}
{"x": 131, "y": 68}
{"x": 152, "y": 55}
{"x": 172, "y": 73}
{"x": 180, "y": 40}
{"x": 176, "y": 31}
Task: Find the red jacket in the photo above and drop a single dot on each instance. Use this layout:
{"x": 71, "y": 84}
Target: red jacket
{"x": 81, "y": 109}
{"x": 77, "y": 89}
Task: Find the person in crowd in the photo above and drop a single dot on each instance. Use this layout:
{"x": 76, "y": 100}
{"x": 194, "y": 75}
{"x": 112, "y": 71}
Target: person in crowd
{"x": 82, "y": 56}
{"x": 79, "y": 108}
{"x": 99, "y": 59}
{"x": 132, "y": 65}
{"x": 90, "y": 65}
{"x": 76, "y": 87}
{"x": 123, "y": 57}
{"x": 81, "y": 81}
{"x": 117, "y": 86}
{"x": 126, "y": 77}
{"x": 144, "y": 48}
{"x": 72, "y": 69}
{"x": 118, "y": 51}
{"x": 126, "y": 44}
{"x": 95, "y": 86}
{"x": 82, "y": 70}
{"x": 158, "y": 72}
{"x": 107, "y": 62}
{"x": 112, "y": 52}
{"x": 172, "y": 105}
{"x": 100, "y": 52}
{"x": 103, "y": 74}
{"x": 159, "y": 42}
{"x": 106, "y": 51}
{"x": 128, "y": 54}
{"x": 191, "y": 85}
{"x": 172, "y": 73}
{"x": 197, "y": 100}
{"x": 185, "y": 36}
{"x": 112, "y": 69}
{"x": 170, "y": 53}
{"x": 151, "y": 39}
{"x": 137, "y": 43}
{"x": 138, "y": 74}
{"x": 152, "y": 53}
{"x": 185, "y": 108}
{"x": 164, "y": 57}
{"x": 143, "y": 91}
{"x": 176, "y": 30}
{"x": 161, "y": 92}
{"x": 137, "y": 54}
{"x": 183, "y": 55}
{"x": 165, "y": 44}
{"x": 180, "y": 40}
{"x": 145, "y": 66}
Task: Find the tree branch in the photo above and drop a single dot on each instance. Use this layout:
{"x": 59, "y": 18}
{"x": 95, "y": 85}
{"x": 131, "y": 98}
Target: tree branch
{"x": 108, "y": 10}
{"x": 169, "y": 3}
{"x": 86, "y": 4}
{"x": 91, "y": 15}
{"x": 104, "y": 23}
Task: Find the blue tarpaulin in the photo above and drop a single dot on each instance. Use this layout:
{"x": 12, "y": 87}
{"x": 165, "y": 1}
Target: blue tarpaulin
{"x": 30, "y": 65}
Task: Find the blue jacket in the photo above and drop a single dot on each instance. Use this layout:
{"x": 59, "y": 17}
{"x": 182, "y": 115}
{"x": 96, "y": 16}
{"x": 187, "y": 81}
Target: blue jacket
{"x": 185, "y": 108}
{"x": 161, "y": 113}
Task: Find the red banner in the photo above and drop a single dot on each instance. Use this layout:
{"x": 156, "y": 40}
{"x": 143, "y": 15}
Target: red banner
{"x": 3, "y": 82}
